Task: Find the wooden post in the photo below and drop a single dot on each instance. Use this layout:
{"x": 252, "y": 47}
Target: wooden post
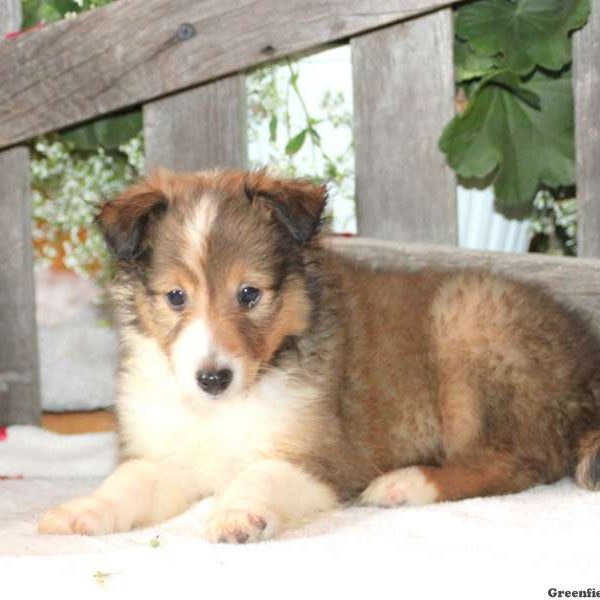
{"x": 403, "y": 97}
{"x": 587, "y": 126}
{"x": 19, "y": 377}
{"x": 202, "y": 128}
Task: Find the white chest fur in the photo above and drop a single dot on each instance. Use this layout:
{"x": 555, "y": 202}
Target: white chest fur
{"x": 211, "y": 440}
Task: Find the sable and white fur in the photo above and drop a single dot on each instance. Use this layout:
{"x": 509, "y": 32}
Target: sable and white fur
{"x": 347, "y": 383}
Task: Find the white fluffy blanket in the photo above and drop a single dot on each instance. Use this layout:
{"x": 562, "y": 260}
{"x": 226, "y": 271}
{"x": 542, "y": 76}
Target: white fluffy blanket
{"x": 508, "y": 547}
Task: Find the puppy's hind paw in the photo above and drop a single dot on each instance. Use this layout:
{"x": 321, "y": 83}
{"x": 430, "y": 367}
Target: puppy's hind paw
{"x": 403, "y": 486}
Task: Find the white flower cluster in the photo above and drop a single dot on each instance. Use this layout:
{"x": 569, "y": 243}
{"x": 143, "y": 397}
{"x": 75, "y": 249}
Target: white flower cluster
{"x": 68, "y": 189}
{"x": 556, "y": 220}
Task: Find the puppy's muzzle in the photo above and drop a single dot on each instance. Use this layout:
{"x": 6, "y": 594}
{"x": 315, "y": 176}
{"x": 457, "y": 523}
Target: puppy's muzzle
{"x": 214, "y": 382}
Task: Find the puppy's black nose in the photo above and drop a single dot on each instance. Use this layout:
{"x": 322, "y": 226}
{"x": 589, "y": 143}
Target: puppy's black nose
{"x": 214, "y": 382}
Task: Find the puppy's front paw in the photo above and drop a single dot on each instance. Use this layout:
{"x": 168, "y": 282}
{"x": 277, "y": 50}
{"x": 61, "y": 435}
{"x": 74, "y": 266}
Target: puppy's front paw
{"x": 89, "y": 515}
{"x": 404, "y": 486}
{"x": 240, "y": 526}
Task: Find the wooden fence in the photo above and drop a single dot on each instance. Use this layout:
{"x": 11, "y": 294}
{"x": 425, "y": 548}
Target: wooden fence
{"x": 184, "y": 62}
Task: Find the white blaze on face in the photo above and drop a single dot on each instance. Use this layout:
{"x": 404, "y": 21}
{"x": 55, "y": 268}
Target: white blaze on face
{"x": 199, "y": 226}
{"x": 194, "y": 349}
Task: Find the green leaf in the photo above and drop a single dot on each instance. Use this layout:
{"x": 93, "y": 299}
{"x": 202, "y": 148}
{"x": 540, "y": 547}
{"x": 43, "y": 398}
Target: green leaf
{"x": 526, "y": 146}
{"x": 469, "y": 65}
{"x": 108, "y": 132}
{"x": 512, "y": 82}
{"x": 525, "y": 33}
{"x": 273, "y": 128}
{"x": 295, "y": 143}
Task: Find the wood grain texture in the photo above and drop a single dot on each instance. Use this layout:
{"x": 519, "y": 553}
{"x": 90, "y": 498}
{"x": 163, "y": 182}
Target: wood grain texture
{"x": 575, "y": 281}
{"x": 19, "y": 387}
{"x": 202, "y": 128}
{"x": 129, "y": 52}
{"x": 19, "y": 378}
{"x": 403, "y": 98}
{"x": 587, "y": 124}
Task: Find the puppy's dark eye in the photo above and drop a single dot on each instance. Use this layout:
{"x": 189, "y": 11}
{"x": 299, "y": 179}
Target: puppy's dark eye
{"x": 176, "y": 299}
{"x": 249, "y": 296}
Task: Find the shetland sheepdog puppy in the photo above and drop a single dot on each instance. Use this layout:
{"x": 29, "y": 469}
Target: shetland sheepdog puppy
{"x": 259, "y": 366}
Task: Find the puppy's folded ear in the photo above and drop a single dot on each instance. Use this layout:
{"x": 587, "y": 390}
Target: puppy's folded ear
{"x": 297, "y": 203}
{"x": 127, "y": 220}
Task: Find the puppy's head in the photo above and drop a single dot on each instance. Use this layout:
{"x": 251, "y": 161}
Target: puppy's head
{"x": 215, "y": 260}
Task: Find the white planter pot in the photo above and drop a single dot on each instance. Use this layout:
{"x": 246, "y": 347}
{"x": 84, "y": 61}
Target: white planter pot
{"x": 481, "y": 228}
{"x": 78, "y": 354}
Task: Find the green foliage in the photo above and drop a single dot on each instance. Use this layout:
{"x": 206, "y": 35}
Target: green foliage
{"x": 513, "y": 61}
{"x": 47, "y": 11}
{"x": 504, "y": 130}
{"x": 522, "y": 34}
{"x": 469, "y": 66}
{"x": 109, "y": 132}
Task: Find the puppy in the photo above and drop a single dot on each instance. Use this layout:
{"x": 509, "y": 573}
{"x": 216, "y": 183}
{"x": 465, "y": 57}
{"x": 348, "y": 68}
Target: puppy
{"x": 262, "y": 368}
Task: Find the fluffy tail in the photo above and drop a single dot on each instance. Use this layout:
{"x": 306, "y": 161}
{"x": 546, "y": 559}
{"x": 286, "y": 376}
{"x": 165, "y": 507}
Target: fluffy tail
{"x": 587, "y": 473}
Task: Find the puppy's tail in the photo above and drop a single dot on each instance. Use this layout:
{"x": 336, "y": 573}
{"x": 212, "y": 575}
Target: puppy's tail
{"x": 587, "y": 473}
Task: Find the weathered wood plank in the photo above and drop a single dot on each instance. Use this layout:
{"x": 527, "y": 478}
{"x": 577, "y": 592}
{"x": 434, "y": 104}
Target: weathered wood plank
{"x": 575, "y": 281}
{"x": 10, "y": 16}
{"x": 19, "y": 388}
{"x": 587, "y": 125}
{"x": 403, "y": 97}
{"x": 201, "y": 128}
{"x": 133, "y": 51}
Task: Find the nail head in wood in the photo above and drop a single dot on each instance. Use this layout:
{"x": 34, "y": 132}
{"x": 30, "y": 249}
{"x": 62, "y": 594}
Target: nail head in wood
{"x": 186, "y": 31}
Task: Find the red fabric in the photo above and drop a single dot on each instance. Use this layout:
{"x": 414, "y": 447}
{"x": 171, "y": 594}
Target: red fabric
{"x": 3, "y": 438}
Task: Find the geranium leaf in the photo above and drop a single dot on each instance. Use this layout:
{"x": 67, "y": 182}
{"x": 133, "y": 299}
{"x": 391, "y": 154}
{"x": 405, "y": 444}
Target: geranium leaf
{"x": 469, "y": 65}
{"x": 527, "y": 147}
{"x": 512, "y": 82}
{"x": 525, "y": 33}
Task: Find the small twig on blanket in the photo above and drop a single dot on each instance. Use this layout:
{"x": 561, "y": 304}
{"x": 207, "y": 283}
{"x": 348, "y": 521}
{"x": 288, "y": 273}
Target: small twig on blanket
{"x": 101, "y": 577}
